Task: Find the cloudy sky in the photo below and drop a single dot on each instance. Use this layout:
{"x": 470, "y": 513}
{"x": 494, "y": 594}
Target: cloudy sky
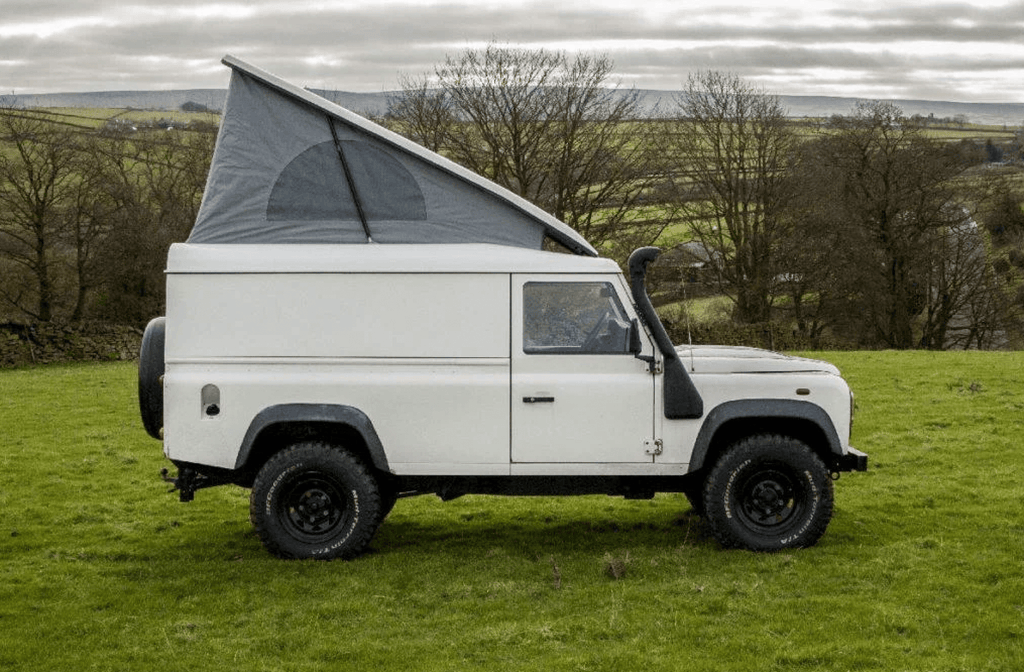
{"x": 965, "y": 51}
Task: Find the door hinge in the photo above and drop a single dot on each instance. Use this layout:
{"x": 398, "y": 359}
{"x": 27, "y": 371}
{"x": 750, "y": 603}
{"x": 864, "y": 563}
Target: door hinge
{"x": 653, "y": 447}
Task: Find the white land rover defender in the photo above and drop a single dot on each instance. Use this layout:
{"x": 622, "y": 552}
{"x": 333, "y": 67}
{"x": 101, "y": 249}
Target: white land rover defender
{"x": 355, "y": 319}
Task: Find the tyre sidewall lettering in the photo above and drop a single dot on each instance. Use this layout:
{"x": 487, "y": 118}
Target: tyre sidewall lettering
{"x": 275, "y": 486}
{"x": 814, "y": 499}
{"x": 349, "y": 486}
{"x": 729, "y": 496}
{"x": 348, "y": 533}
{"x": 738, "y": 501}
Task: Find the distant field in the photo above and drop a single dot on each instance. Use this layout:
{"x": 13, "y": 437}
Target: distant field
{"x": 650, "y": 101}
{"x": 94, "y": 118}
{"x": 102, "y": 569}
{"x": 972, "y": 132}
{"x": 805, "y": 127}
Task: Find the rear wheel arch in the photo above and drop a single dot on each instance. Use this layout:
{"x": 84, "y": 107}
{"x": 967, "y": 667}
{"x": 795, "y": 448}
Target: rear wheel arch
{"x": 277, "y": 427}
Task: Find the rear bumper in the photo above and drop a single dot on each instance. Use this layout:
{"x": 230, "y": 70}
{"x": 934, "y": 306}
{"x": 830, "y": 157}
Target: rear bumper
{"x": 854, "y": 460}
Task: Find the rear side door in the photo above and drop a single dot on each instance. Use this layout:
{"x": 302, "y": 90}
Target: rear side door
{"x": 579, "y": 395}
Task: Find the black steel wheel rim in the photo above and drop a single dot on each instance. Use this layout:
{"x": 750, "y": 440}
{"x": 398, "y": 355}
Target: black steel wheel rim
{"x": 770, "y": 498}
{"x": 313, "y": 507}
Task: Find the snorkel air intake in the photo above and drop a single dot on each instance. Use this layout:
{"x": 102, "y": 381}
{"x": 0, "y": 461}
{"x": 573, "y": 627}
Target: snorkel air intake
{"x": 681, "y": 397}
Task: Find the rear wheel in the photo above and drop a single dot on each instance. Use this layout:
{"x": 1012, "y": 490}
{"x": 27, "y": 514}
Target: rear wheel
{"x": 767, "y": 493}
{"x": 314, "y": 500}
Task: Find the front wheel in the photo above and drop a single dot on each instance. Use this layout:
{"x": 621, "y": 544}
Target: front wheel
{"x": 315, "y": 501}
{"x": 768, "y": 493}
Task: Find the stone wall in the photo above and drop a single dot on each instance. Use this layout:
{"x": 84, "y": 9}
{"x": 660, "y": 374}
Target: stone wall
{"x": 26, "y": 344}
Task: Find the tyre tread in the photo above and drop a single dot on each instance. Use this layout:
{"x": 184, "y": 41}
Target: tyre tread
{"x": 733, "y": 534}
{"x": 315, "y": 453}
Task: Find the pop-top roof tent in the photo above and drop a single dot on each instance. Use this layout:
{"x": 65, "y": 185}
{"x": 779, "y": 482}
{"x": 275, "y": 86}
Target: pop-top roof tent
{"x": 292, "y": 167}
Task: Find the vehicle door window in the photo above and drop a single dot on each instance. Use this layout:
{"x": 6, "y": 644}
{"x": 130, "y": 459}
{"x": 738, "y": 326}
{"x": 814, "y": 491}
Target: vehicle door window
{"x": 573, "y": 318}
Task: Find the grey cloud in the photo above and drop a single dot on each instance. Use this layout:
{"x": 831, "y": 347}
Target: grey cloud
{"x": 30, "y": 11}
{"x": 765, "y": 59}
{"x": 825, "y": 72}
{"x": 942, "y": 22}
{"x": 373, "y": 45}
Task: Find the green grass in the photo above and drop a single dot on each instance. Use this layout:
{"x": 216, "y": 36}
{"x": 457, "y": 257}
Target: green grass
{"x": 102, "y": 569}
{"x": 94, "y": 118}
{"x": 702, "y": 310}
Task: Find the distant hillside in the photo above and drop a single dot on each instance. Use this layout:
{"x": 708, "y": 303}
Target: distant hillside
{"x": 994, "y": 114}
{"x": 140, "y": 100}
{"x": 999, "y": 114}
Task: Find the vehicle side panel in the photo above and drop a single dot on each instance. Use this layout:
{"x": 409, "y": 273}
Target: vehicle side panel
{"x": 826, "y": 392}
{"x": 424, "y": 356}
{"x": 431, "y": 416}
{"x": 337, "y": 315}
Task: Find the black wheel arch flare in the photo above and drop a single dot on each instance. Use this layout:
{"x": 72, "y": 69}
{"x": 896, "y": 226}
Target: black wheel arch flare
{"x": 347, "y": 418}
{"x": 751, "y": 416}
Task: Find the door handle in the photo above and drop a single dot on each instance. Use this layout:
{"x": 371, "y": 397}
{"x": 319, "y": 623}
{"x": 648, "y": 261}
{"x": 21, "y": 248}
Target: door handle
{"x": 538, "y": 400}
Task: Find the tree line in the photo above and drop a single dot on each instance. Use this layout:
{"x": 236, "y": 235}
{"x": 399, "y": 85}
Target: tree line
{"x": 87, "y": 214}
{"x": 861, "y": 231}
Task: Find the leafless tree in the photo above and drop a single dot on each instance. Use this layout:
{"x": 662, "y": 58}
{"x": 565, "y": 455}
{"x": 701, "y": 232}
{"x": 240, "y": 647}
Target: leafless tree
{"x": 734, "y": 143}
{"x": 819, "y": 275}
{"x": 87, "y": 222}
{"x": 149, "y": 189}
{"x": 896, "y": 258}
{"x": 38, "y": 177}
{"x": 421, "y": 113}
{"x": 546, "y": 126}
{"x": 1002, "y": 216}
{"x": 86, "y": 216}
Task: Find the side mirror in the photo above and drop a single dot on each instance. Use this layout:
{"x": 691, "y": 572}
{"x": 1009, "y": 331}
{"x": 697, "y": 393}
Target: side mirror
{"x": 636, "y": 346}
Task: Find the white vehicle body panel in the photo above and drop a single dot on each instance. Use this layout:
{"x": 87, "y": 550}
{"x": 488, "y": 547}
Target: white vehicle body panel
{"x": 186, "y": 258}
{"x": 428, "y": 342}
{"x": 339, "y": 315}
{"x": 413, "y": 405}
{"x": 601, "y": 406}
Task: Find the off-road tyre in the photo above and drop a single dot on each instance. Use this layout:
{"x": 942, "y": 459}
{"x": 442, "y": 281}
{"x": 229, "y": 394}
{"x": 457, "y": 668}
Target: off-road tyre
{"x": 151, "y": 371}
{"x": 768, "y": 493}
{"x": 315, "y": 501}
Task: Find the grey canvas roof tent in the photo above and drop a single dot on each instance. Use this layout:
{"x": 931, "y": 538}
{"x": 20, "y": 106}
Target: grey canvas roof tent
{"x": 292, "y": 167}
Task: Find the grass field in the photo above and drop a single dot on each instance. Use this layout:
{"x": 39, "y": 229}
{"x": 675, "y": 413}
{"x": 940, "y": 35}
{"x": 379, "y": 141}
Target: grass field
{"x": 921, "y": 569}
{"x": 94, "y": 118}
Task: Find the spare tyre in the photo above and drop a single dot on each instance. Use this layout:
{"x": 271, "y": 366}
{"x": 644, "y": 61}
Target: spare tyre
{"x": 151, "y": 372}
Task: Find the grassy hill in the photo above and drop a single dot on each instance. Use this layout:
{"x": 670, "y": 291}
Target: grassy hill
{"x": 102, "y": 569}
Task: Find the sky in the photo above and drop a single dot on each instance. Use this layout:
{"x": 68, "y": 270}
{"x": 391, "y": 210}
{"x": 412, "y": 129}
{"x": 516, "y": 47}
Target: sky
{"x": 962, "y": 51}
